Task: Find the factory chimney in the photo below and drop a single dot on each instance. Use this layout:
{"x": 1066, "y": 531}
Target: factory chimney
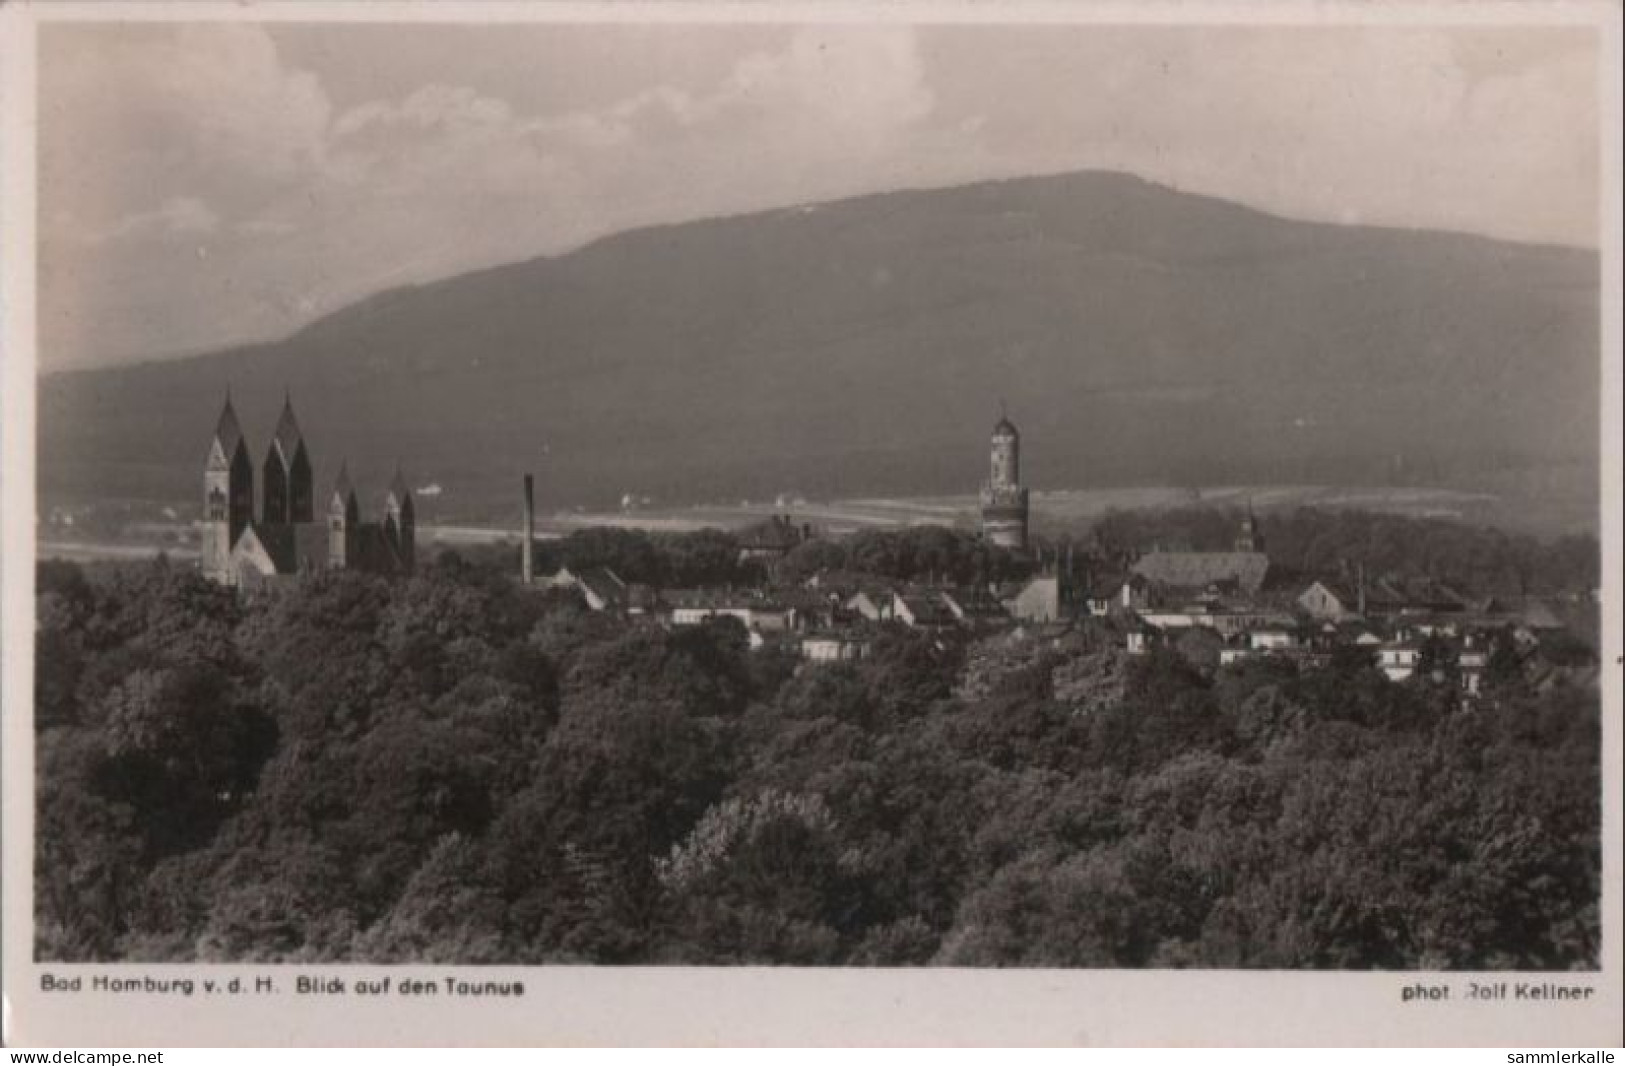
{"x": 528, "y": 545}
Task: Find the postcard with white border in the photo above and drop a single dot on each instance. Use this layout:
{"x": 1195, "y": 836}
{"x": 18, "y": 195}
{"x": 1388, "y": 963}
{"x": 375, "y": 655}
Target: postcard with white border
{"x": 811, "y": 523}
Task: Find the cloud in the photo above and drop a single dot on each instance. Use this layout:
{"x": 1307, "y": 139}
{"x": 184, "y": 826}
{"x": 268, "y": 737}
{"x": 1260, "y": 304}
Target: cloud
{"x": 129, "y": 108}
{"x": 824, "y": 95}
{"x": 443, "y": 178}
{"x": 158, "y": 140}
{"x": 1487, "y": 132}
{"x": 177, "y": 217}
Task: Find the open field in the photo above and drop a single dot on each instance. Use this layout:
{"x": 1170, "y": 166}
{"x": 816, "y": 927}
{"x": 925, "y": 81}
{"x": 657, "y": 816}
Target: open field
{"x": 1053, "y": 512}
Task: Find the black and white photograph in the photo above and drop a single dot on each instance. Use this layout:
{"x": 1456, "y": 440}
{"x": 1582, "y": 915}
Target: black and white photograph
{"x": 771, "y": 489}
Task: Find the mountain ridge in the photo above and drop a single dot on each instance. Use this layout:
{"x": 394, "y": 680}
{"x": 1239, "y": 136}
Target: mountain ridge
{"x": 850, "y": 346}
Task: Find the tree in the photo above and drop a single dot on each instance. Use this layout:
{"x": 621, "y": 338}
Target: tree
{"x": 759, "y": 879}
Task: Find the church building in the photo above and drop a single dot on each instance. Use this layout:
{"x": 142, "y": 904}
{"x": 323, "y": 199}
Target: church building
{"x": 242, "y": 548}
{"x": 1004, "y": 500}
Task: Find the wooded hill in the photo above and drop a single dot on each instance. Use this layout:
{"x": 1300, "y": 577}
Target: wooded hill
{"x": 1136, "y": 334}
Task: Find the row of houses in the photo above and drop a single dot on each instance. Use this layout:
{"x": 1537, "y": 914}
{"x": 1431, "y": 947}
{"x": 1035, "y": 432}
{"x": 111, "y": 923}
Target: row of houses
{"x": 1230, "y": 606}
{"x": 827, "y": 621}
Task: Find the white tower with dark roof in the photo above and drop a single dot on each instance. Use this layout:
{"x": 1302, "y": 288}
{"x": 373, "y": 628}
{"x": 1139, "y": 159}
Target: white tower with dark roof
{"x": 1004, "y": 500}
{"x": 228, "y": 495}
{"x": 343, "y": 522}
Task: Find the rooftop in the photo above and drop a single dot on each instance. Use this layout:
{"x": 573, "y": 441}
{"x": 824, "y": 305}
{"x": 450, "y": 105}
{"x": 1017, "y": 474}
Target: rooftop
{"x": 1203, "y": 569}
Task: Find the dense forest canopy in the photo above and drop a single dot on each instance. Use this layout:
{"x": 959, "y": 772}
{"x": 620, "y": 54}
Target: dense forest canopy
{"x": 450, "y": 768}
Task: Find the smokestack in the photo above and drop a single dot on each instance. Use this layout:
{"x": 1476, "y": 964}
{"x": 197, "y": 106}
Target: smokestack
{"x": 526, "y": 564}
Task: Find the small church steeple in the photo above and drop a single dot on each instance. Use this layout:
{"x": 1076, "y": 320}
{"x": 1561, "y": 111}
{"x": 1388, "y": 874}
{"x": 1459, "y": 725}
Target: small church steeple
{"x": 228, "y": 494}
{"x": 400, "y": 520}
{"x": 343, "y": 522}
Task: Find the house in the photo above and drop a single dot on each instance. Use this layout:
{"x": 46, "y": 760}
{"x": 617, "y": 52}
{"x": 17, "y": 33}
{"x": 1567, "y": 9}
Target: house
{"x": 1273, "y": 638}
{"x": 1330, "y": 601}
{"x": 1102, "y": 593}
{"x": 1434, "y": 626}
{"x": 1399, "y": 660}
{"x": 811, "y": 609}
{"x": 771, "y": 540}
{"x": 1412, "y": 596}
{"x": 1043, "y": 599}
{"x": 600, "y": 586}
{"x": 974, "y": 608}
{"x": 1118, "y": 592}
{"x": 644, "y": 601}
{"x": 758, "y": 614}
{"x": 1340, "y": 634}
{"x": 922, "y": 610}
{"x": 1244, "y": 572}
{"x": 1472, "y": 661}
{"x": 1213, "y": 612}
{"x": 834, "y": 647}
{"x": 872, "y": 605}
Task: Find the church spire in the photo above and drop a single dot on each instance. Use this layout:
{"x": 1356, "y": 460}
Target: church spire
{"x": 288, "y": 489}
{"x": 228, "y": 432}
{"x": 400, "y": 521}
{"x": 288, "y": 436}
{"x": 342, "y": 489}
{"x": 228, "y": 495}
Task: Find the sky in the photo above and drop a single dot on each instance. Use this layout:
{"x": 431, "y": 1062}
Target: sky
{"x": 205, "y": 184}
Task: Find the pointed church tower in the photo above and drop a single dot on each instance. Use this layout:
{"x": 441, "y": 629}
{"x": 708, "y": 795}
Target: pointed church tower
{"x": 228, "y": 495}
{"x": 400, "y": 521}
{"x": 343, "y": 522}
{"x": 289, "y": 495}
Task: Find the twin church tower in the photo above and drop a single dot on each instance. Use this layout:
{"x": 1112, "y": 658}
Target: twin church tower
{"x": 286, "y": 538}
